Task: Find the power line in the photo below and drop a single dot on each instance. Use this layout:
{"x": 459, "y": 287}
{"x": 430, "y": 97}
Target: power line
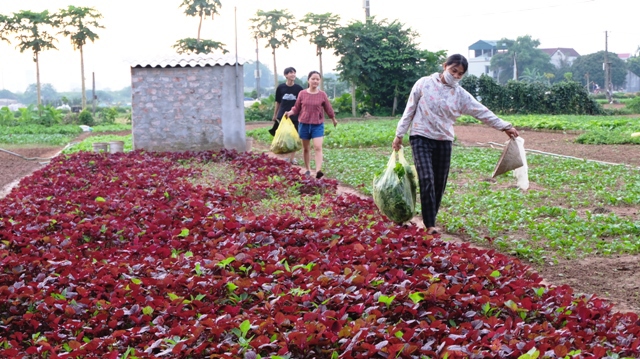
{"x": 528, "y": 9}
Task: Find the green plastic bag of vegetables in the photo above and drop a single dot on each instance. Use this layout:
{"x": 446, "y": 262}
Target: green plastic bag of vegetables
{"x": 286, "y": 139}
{"x": 394, "y": 191}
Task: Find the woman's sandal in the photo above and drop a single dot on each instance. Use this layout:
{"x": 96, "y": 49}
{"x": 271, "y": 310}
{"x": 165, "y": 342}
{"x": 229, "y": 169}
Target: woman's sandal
{"x": 319, "y": 174}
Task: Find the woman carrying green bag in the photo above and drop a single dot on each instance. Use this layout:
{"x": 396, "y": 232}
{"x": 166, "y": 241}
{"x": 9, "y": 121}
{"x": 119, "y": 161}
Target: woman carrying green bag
{"x": 435, "y": 103}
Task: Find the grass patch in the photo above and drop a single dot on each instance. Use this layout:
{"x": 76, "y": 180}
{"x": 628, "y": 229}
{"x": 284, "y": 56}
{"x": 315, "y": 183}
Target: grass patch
{"x": 87, "y": 143}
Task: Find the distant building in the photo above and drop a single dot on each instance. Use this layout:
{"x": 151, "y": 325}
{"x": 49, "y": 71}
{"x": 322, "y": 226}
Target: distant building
{"x": 632, "y": 81}
{"x": 561, "y": 56}
{"x": 481, "y": 52}
{"x": 480, "y": 62}
{"x": 12, "y": 104}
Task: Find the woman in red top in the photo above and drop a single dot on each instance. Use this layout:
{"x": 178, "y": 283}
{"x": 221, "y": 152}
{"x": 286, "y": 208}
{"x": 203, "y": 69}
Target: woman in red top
{"x": 311, "y": 105}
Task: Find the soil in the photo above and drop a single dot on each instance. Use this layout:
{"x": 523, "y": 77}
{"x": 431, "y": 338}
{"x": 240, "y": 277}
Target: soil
{"x": 615, "y": 278}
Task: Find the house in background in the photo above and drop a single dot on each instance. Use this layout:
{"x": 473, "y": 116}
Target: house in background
{"x": 562, "y": 56}
{"x": 480, "y": 54}
{"x": 632, "y": 81}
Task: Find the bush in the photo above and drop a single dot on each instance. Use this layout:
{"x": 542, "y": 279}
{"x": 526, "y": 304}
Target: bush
{"x": 261, "y": 111}
{"x": 108, "y": 115}
{"x": 86, "y": 118}
{"x": 565, "y": 97}
{"x": 71, "y": 119}
{"x": 634, "y": 105}
{"x": 342, "y": 105}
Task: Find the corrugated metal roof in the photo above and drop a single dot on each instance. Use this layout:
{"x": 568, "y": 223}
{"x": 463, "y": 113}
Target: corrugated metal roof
{"x": 176, "y": 60}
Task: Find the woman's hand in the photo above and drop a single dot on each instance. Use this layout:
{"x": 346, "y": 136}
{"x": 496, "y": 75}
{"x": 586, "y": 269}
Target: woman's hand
{"x": 335, "y": 122}
{"x": 512, "y": 132}
{"x": 397, "y": 143}
{"x": 288, "y": 114}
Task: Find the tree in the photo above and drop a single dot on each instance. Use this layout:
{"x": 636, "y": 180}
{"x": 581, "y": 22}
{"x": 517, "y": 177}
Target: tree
{"x": 592, "y": 64}
{"x": 318, "y": 27}
{"x": 532, "y": 75}
{"x": 515, "y": 56}
{"x": 200, "y": 8}
{"x": 48, "y": 94}
{"x": 383, "y": 60}
{"x": 633, "y": 63}
{"x": 279, "y": 28}
{"x": 6, "y": 27}
{"x": 249, "y": 78}
{"x": 30, "y": 30}
{"x": 79, "y": 24}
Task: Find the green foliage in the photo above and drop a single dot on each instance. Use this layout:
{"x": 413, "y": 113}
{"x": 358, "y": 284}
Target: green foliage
{"x": 201, "y": 46}
{"x": 521, "y": 97}
{"x": 86, "y": 118}
{"x": 527, "y": 56}
{"x": 279, "y": 28}
{"x": 318, "y": 28}
{"x": 108, "y": 115}
{"x": 200, "y": 9}
{"x": 592, "y": 64}
{"x": 618, "y": 136}
{"x": 383, "y": 59}
{"x": 633, "y": 64}
{"x": 7, "y": 118}
{"x": 634, "y": 105}
{"x": 261, "y": 110}
{"x": 342, "y": 105}
{"x": 6, "y": 27}
{"x": 87, "y": 143}
{"x": 30, "y": 31}
{"x": 78, "y": 24}
{"x": 47, "y": 116}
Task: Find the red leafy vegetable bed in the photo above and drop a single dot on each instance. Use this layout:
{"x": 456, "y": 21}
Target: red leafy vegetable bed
{"x": 105, "y": 256}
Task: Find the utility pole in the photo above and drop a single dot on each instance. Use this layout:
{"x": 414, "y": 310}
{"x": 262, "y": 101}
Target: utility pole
{"x": 257, "y": 74}
{"x": 607, "y": 69}
{"x": 515, "y": 68}
{"x": 588, "y": 83}
{"x": 367, "y": 9}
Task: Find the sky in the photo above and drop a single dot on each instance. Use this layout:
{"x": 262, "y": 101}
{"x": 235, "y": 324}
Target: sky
{"x": 146, "y": 29}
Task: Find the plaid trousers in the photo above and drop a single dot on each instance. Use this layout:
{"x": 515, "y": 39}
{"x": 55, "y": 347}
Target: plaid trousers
{"x": 432, "y": 159}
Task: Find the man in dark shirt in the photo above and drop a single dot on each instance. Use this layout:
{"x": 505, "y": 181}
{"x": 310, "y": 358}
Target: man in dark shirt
{"x": 286, "y": 96}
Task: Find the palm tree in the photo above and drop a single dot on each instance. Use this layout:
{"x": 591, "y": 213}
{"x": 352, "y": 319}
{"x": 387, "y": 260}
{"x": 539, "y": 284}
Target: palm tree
{"x": 199, "y": 8}
{"x": 78, "y": 24}
{"x": 318, "y": 27}
{"x": 30, "y": 29}
{"x": 532, "y": 75}
{"x": 279, "y": 28}
{"x": 6, "y": 27}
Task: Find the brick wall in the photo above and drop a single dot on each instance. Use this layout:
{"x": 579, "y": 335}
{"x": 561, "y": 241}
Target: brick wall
{"x": 187, "y": 108}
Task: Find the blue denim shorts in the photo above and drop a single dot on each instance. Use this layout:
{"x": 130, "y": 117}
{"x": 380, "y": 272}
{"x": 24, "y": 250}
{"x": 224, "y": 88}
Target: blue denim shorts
{"x": 308, "y": 131}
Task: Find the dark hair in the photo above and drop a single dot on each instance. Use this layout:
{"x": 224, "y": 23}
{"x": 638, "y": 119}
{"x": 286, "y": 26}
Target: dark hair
{"x": 457, "y": 59}
{"x": 289, "y": 70}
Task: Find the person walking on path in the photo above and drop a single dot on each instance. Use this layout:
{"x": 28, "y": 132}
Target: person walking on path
{"x": 311, "y": 105}
{"x": 435, "y": 102}
{"x": 286, "y": 96}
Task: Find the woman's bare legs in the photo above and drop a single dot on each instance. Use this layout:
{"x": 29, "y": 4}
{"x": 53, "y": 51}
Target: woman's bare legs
{"x": 306, "y": 154}
{"x": 317, "y": 148}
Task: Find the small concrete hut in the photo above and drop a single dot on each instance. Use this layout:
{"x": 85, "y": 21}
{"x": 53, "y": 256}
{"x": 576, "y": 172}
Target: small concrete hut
{"x": 188, "y": 103}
